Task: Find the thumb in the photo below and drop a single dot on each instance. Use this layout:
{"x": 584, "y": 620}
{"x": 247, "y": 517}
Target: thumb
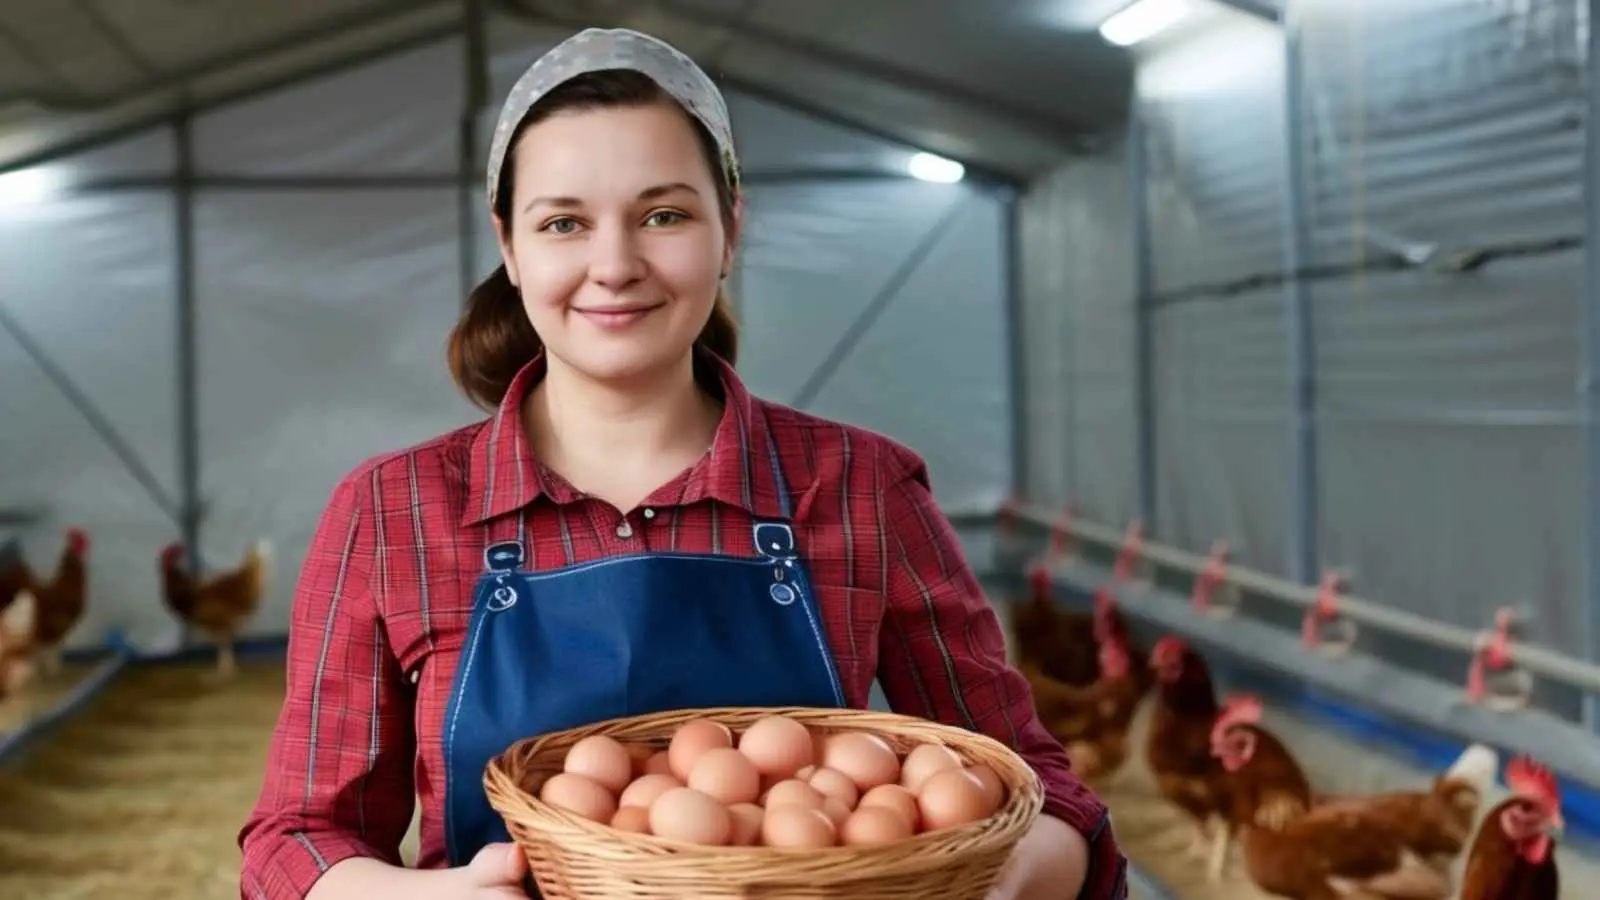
{"x": 497, "y": 865}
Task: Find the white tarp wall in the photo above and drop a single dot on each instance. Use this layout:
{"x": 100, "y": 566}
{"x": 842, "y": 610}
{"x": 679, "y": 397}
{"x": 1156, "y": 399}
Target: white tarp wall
{"x": 1447, "y": 404}
{"x": 323, "y": 312}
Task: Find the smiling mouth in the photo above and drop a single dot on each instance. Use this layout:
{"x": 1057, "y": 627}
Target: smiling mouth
{"x": 613, "y": 318}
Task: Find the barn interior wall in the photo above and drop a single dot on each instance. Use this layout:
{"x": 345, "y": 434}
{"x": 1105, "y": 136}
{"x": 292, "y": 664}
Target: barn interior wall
{"x": 322, "y": 312}
{"x": 1447, "y": 406}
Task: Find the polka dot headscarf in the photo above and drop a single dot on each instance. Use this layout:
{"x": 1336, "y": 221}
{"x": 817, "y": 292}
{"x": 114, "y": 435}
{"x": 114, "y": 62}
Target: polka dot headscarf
{"x": 596, "y": 49}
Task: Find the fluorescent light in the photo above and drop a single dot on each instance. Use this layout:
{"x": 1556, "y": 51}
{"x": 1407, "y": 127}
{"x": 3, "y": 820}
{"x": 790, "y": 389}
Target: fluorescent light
{"x": 1142, "y": 20}
{"x": 927, "y": 167}
{"x": 26, "y": 187}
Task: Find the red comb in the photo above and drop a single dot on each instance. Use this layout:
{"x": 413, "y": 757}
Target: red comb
{"x": 1530, "y": 779}
{"x": 1240, "y": 709}
{"x": 1039, "y": 578}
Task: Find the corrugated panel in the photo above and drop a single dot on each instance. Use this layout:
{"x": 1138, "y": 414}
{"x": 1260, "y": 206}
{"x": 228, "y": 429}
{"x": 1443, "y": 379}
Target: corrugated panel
{"x": 1214, "y": 108}
{"x": 1078, "y": 338}
{"x": 1222, "y": 427}
{"x": 1449, "y": 121}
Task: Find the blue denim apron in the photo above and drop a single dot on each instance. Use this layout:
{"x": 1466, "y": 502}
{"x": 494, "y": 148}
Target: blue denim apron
{"x": 627, "y": 635}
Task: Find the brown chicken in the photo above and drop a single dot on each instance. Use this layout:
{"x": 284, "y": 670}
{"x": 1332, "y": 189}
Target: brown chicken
{"x": 1267, "y": 786}
{"x": 1058, "y": 642}
{"x": 14, "y": 573}
{"x": 218, "y": 606}
{"x": 1513, "y": 856}
{"x": 1358, "y": 847}
{"x": 18, "y": 622}
{"x": 61, "y": 600}
{"x": 1092, "y": 722}
{"x": 1178, "y": 749}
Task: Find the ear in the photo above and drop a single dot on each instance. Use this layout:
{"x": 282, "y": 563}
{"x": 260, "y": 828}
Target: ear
{"x": 503, "y": 242}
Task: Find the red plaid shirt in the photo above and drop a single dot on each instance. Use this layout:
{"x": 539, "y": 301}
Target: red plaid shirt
{"x": 387, "y": 588}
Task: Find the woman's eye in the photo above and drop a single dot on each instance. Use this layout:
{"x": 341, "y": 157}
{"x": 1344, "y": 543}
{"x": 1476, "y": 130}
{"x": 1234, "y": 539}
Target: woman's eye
{"x": 560, "y": 226}
{"x": 665, "y": 217}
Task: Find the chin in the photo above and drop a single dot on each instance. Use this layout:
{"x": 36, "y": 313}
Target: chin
{"x": 623, "y": 364}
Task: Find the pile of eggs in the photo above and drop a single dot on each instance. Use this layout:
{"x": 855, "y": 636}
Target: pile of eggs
{"x": 779, "y": 784}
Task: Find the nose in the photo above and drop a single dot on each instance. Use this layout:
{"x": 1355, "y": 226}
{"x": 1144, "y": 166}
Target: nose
{"x": 616, "y": 261}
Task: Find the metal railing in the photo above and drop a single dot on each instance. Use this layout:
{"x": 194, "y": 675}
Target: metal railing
{"x": 1551, "y": 664}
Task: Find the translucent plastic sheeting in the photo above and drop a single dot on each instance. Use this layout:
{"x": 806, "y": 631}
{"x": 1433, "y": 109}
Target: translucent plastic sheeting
{"x": 91, "y": 280}
{"x": 323, "y": 314}
{"x": 931, "y": 370}
{"x": 1078, "y": 338}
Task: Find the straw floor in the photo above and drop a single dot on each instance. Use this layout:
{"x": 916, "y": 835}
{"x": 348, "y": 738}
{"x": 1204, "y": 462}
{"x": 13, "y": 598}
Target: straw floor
{"x": 141, "y": 796}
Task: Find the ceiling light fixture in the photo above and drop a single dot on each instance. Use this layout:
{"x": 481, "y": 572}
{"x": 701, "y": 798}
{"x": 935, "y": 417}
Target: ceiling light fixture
{"x": 1143, "y": 19}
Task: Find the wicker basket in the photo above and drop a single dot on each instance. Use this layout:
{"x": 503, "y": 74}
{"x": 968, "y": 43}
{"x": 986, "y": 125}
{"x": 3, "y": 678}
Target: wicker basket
{"x": 573, "y": 858}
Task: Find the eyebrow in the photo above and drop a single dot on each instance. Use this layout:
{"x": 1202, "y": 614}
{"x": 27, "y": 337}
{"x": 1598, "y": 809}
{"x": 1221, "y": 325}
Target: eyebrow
{"x": 649, "y": 193}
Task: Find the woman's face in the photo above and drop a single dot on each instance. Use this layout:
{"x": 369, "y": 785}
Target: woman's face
{"x": 616, "y": 241}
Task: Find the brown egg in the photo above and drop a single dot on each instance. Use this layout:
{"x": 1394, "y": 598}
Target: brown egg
{"x": 685, "y": 814}
{"x": 727, "y": 775}
{"x": 895, "y": 797}
{"x": 602, "y": 760}
{"x": 872, "y": 826}
{"x": 836, "y": 811}
{"x": 659, "y": 763}
{"x": 798, "y": 828}
{"x": 923, "y": 761}
{"x": 691, "y": 740}
{"x": 994, "y": 790}
{"x": 646, "y": 788}
{"x": 634, "y": 819}
{"x": 640, "y": 754}
{"x": 746, "y": 824}
{"x": 951, "y": 797}
{"x": 777, "y": 746}
{"x": 866, "y": 758}
{"x": 838, "y": 785}
{"x": 580, "y": 796}
{"x": 793, "y": 793}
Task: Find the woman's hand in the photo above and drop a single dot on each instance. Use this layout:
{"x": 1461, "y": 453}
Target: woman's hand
{"x": 1050, "y": 863}
{"x": 496, "y": 871}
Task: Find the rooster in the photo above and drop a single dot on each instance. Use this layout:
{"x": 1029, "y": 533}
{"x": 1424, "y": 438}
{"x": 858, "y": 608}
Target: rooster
{"x": 220, "y": 605}
{"x": 61, "y": 600}
{"x": 1513, "y": 856}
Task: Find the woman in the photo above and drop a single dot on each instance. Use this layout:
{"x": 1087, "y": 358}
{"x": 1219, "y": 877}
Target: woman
{"x": 630, "y": 530}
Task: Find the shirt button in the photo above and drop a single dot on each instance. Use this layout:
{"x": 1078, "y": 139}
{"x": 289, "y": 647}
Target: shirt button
{"x": 624, "y": 529}
{"x": 649, "y": 513}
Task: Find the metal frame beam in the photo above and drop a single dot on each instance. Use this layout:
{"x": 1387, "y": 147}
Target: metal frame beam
{"x": 1016, "y": 346}
{"x": 1590, "y": 380}
{"x": 1143, "y": 317}
{"x": 187, "y": 344}
{"x": 875, "y": 307}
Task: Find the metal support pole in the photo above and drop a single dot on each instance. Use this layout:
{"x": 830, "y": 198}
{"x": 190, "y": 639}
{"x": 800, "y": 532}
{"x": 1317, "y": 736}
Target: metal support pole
{"x": 1303, "y": 512}
{"x": 1016, "y": 343}
{"x": 188, "y": 383}
{"x": 475, "y": 55}
{"x": 1143, "y": 319}
{"x": 1590, "y": 381}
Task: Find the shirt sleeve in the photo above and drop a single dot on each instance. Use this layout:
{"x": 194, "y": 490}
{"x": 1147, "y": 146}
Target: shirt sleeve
{"x": 338, "y": 780}
{"x": 943, "y": 657}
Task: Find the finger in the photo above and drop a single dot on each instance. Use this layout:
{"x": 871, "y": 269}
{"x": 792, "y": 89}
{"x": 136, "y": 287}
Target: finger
{"x": 497, "y": 865}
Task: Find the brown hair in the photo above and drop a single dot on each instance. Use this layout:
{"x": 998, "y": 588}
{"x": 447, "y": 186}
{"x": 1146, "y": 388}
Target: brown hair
{"x": 493, "y": 340}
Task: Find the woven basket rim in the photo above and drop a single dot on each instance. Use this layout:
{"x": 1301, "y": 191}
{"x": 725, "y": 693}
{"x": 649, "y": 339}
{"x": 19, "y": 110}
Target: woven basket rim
{"x": 1024, "y": 790}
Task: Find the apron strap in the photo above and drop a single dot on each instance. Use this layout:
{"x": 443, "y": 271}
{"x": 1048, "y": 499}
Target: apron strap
{"x": 775, "y": 540}
{"x": 505, "y": 547}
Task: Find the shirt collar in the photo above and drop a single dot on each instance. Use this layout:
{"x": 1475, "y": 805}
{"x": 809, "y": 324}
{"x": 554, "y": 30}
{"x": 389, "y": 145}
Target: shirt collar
{"x": 739, "y": 470}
